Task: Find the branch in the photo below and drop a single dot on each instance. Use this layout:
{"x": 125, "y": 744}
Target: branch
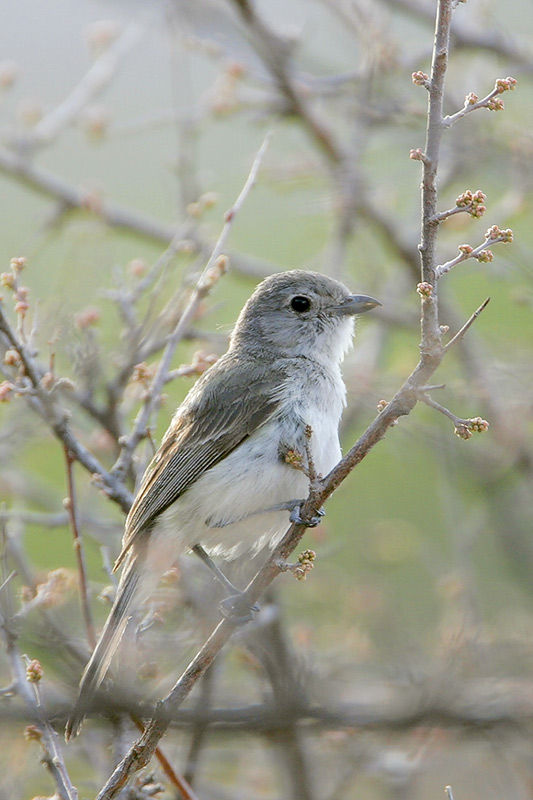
{"x": 213, "y": 271}
{"x": 92, "y": 84}
{"x": 461, "y": 332}
{"x": 48, "y": 184}
{"x": 57, "y": 417}
{"x": 490, "y": 101}
{"x": 494, "y": 235}
{"x": 27, "y": 687}
{"x": 114, "y": 215}
{"x": 70, "y": 505}
{"x": 274, "y": 52}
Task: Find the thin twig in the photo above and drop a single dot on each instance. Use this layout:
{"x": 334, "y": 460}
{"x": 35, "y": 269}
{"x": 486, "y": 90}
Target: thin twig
{"x": 461, "y": 332}
{"x": 428, "y": 400}
{"x": 204, "y": 284}
{"x": 58, "y": 419}
{"x": 7, "y": 580}
{"x": 473, "y": 104}
{"x": 93, "y": 83}
{"x": 469, "y": 252}
{"x": 31, "y": 695}
{"x": 79, "y": 551}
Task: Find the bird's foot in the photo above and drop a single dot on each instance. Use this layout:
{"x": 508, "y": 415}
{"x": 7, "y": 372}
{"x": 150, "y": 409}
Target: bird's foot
{"x": 312, "y": 522}
{"x": 238, "y": 609}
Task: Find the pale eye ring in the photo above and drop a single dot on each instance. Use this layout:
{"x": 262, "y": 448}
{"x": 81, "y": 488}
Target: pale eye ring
{"x": 300, "y": 303}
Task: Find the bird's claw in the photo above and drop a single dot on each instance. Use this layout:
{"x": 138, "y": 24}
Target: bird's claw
{"x": 312, "y": 522}
{"x": 237, "y": 608}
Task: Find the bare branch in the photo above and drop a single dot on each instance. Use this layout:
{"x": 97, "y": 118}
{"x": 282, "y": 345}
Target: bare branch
{"x": 48, "y": 407}
{"x": 461, "y": 332}
{"x": 214, "y": 269}
{"x": 79, "y": 552}
{"x": 92, "y": 84}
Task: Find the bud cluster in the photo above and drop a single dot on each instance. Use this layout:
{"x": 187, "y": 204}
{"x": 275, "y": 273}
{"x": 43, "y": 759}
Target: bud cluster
{"x": 214, "y": 273}
{"x": 87, "y": 318}
{"x": 505, "y": 235}
{"x": 205, "y": 201}
{"x": 420, "y": 78}
{"x": 306, "y": 564}
{"x": 201, "y": 362}
{"x": 495, "y": 104}
{"x": 424, "y": 289}
{"x": 224, "y": 95}
{"x": 32, "y": 733}
{"x": 51, "y": 593}
{"x": 294, "y": 459}
{"x": 142, "y": 373}
{"x": 34, "y": 671}
{"x": 474, "y": 202}
{"x": 6, "y": 390}
{"x": 465, "y": 428}
{"x": 10, "y": 281}
{"x": 505, "y": 84}
{"x": 484, "y": 256}
{"x": 416, "y": 154}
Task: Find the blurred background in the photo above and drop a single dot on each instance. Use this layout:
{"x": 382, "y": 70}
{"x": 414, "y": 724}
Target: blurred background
{"x": 404, "y": 662}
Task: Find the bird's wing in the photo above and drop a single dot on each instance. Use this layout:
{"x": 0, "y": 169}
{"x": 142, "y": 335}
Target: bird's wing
{"x": 222, "y": 410}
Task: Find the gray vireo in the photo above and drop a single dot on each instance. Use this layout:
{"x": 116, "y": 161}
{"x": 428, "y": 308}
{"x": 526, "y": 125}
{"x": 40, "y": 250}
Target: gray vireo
{"x": 220, "y": 478}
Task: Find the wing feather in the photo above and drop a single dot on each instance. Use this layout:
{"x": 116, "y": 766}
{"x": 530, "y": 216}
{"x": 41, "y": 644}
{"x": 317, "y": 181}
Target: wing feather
{"x": 219, "y": 412}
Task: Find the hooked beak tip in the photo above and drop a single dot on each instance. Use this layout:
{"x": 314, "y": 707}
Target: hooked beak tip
{"x": 358, "y": 304}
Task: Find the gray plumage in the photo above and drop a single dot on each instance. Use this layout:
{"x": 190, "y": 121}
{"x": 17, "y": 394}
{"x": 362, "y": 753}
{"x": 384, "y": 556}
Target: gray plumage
{"x": 219, "y": 475}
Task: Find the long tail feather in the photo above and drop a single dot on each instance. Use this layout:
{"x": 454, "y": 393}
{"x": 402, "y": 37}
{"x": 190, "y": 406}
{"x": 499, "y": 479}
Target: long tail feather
{"x": 100, "y": 660}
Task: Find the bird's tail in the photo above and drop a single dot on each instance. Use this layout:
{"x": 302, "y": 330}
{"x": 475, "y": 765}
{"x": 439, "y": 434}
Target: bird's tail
{"x": 99, "y": 663}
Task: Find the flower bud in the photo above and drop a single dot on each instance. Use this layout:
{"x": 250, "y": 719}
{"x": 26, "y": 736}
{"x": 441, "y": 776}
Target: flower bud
{"x": 34, "y": 671}
{"x": 424, "y": 289}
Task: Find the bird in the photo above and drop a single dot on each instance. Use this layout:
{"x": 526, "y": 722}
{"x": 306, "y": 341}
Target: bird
{"x": 221, "y": 482}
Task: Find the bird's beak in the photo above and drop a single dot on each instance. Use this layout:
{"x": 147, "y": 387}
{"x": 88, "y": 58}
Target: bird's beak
{"x": 357, "y": 304}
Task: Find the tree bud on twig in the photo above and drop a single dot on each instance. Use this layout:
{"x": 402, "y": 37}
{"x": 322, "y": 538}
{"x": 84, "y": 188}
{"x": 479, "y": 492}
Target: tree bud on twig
{"x": 32, "y": 733}
{"x": 424, "y": 289}
{"x": 473, "y": 202}
{"x": 6, "y": 390}
{"x": 420, "y": 78}
{"x": 18, "y": 264}
{"x": 505, "y": 235}
{"x": 416, "y": 154}
{"x": 306, "y": 559}
{"x": 7, "y": 279}
{"x": 463, "y": 431}
{"x": 34, "y": 671}
{"x": 505, "y": 84}
{"x": 478, "y": 425}
{"x": 495, "y": 104}
{"x": 88, "y": 317}
{"x": 11, "y": 358}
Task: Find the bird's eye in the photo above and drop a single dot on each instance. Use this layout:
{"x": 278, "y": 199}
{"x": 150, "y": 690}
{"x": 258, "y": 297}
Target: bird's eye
{"x": 300, "y": 303}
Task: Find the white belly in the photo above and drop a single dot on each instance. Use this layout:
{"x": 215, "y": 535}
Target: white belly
{"x": 227, "y": 509}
